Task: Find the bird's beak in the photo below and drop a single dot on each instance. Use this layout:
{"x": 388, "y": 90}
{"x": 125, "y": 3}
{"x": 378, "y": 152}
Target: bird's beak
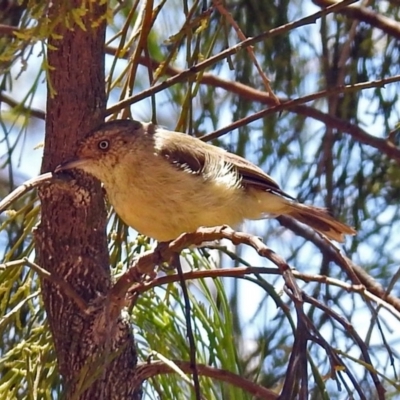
{"x": 74, "y": 163}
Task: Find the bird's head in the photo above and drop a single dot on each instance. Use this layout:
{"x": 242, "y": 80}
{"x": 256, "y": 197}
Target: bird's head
{"x": 102, "y": 149}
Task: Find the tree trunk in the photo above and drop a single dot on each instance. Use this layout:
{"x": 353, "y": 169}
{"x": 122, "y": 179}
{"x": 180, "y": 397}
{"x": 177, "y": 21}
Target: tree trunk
{"x": 96, "y": 356}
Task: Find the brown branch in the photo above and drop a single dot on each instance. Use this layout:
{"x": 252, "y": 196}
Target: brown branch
{"x": 387, "y": 25}
{"x": 328, "y": 250}
{"x": 241, "y": 272}
{"x": 352, "y": 332}
{"x": 8, "y": 30}
{"x": 63, "y": 284}
{"x": 51, "y": 277}
{"x": 296, "y": 372}
{"x": 189, "y": 328}
{"x": 383, "y": 145}
{"x": 151, "y": 369}
{"x": 305, "y": 331}
{"x": 144, "y": 265}
{"x": 22, "y": 189}
{"x": 238, "y": 272}
{"x": 222, "y": 10}
{"x": 251, "y": 94}
{"x": 147, "y": 21}
{"x": 336, "y": 363}
{"x": 26, "y": 110}
{"x": 187, "y": 73}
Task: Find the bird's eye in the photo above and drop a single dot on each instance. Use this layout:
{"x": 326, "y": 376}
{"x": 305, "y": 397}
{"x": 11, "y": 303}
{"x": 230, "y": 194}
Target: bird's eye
{"x": 103, "y": 145}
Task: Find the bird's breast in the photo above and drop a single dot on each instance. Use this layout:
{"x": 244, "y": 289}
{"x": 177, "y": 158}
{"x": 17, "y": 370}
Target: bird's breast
{"x": 162, "y": 201}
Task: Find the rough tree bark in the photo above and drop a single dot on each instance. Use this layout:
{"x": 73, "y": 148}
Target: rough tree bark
{"x": 96, "y": 357}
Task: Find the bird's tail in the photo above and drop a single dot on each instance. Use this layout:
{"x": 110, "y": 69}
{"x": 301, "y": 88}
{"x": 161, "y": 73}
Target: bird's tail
{"x": 320, "y": 220}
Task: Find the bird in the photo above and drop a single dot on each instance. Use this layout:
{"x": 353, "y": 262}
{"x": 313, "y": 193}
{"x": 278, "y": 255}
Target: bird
{"x": 164, "y": 183}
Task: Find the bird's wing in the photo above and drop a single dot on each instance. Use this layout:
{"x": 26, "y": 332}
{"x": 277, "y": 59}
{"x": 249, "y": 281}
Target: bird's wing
{"x": 253, "y": 176}
{"x": 175, "y": 151}
{"x": 174, "y": 147}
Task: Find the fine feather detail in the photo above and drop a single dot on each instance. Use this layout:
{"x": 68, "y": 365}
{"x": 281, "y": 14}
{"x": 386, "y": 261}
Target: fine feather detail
{"x": 183, "y": 166}
{"x": 192, "y": 155}
{"x": 214, "y": 169}
{"x": 218, "y": 170}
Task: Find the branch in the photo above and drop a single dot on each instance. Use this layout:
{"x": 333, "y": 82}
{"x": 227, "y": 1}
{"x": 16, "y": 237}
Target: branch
{"x": 189, "y": 328}
{"x": 352, "y": 332}
{"x": 224, "y": 54}
{"x": 14, "y": 104}
{"x": 51, "y": 277}
{"x": 24, "y": 188}
{"x": 228, "y": 16}
{"x": 296, "y": 106}
{"x": 387, "y": 25}
{"x": 385, "y": 146}
{"x": 144, "y": 265}
{"x": 151, "y": 369}
{"x": 241, "y": 272}
{"x": 328, "y": 250}
{"x": 8, "y": 30}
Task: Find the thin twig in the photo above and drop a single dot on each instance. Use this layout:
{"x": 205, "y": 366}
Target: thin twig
{"x": 190, "y": 335}
{"x": 220, "y": 7}
{"x": 24, "y": 188}
{"x": 286, "y": 105}
{"x": 26, "y": 110}
{"x": 328, "y": 249}
{"x": 51, "y": 277}
{"x": 224, "y": 54}
{"x": 148, "y": 370}
{"x": 248, "y": 93}
{"x": 164, "y": 251}
{"x": 367, "y": 15}
{"x": 241, "y": 272}
{"x": 352, "y": 332}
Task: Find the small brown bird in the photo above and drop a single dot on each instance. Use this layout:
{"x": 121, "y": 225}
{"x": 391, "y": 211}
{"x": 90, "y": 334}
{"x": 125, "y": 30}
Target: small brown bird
{"x": 164, "y": 183}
